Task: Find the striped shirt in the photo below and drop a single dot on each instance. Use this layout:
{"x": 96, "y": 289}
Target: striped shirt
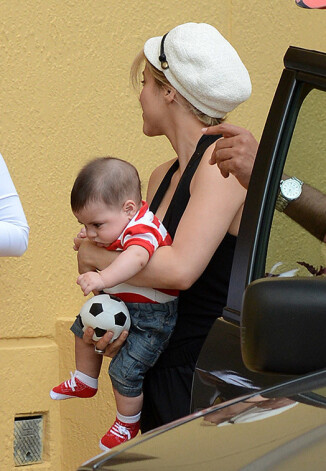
{"x": 147, "y": 231}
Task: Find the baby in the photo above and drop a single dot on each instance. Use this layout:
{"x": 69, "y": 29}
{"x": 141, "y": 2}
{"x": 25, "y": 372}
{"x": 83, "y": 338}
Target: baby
{"x": 106, "y": 199}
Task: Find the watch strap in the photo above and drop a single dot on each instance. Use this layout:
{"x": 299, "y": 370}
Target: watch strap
{"x": 281, "y": 203}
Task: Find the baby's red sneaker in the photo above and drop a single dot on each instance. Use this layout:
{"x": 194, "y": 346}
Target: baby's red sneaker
{"x": 73, "y": 387}
{"x": 119, "y": 433}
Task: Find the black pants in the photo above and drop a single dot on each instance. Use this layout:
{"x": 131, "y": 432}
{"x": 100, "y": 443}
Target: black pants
{"x": 167, "y": 395}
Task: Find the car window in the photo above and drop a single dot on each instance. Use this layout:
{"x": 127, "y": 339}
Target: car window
{"x": 293, "y": 250}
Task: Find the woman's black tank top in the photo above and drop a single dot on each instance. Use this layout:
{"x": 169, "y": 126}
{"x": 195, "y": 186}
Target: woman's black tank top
{"x": 201, "y": 304}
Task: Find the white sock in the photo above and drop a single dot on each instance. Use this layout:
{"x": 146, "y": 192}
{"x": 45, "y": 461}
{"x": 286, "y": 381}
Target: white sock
{"x": 88, "y": 380}
{"x": 128, "y": 419}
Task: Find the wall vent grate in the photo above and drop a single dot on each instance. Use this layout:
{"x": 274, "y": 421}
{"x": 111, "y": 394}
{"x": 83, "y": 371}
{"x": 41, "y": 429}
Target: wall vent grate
{"x": 28, "y": 440}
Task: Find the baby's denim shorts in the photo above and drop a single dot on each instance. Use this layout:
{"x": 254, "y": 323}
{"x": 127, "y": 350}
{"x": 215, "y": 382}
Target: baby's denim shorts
{"x": 77, "y": 327}
{"x": 149, "y": 334}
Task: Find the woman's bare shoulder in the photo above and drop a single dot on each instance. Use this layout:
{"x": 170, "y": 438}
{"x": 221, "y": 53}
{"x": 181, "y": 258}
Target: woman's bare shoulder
{"x": 156, "y": 178}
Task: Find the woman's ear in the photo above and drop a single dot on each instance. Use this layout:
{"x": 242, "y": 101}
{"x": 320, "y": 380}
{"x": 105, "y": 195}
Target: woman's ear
{"x": 169, "y": 94}
{"x": 130, "y": 208}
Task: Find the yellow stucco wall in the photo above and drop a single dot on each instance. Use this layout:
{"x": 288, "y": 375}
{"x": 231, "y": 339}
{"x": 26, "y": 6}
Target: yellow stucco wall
{"x": 66, "y": 98}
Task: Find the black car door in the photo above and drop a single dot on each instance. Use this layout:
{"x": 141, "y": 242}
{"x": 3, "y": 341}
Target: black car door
{"x": 273, "y": 244}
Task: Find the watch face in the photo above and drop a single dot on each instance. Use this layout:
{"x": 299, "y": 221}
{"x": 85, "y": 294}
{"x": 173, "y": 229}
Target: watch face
{"x": 291, "y": 189}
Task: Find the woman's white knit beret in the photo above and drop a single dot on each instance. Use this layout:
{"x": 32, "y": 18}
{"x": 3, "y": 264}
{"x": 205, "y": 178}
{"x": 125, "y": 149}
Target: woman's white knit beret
{"x": 202, "y": 66}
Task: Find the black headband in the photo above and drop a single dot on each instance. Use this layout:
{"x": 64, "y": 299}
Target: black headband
{"x": 162, "y": 56}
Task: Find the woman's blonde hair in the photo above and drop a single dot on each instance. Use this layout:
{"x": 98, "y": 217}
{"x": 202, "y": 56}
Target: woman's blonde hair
{"x": 136, "y": 76}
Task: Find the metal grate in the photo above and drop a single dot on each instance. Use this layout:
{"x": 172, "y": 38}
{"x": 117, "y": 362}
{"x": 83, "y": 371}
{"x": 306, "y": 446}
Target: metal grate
{"x": 28, "y": 443}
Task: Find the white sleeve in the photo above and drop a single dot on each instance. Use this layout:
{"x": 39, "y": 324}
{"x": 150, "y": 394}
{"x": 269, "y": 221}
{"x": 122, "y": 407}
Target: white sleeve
{"x": 14, "y": 229}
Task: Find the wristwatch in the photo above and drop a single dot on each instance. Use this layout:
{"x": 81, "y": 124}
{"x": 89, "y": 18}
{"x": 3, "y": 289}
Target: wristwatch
{"x": 290, "y": 190}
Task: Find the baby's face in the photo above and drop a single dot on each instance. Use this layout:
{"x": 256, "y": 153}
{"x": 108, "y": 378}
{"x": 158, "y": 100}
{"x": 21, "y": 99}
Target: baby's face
{"x": 103, "y": 223}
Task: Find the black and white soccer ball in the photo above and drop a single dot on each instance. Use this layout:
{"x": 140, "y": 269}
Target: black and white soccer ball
{"x": 105, "y": 312}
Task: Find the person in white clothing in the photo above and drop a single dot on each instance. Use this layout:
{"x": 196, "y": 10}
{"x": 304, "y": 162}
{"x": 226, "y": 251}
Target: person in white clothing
{"x": 106, "y": 199}
{"x": 14, "y": 230}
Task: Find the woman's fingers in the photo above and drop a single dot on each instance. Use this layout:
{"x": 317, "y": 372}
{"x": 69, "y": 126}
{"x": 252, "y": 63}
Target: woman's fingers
{"x": 111, "y": 349}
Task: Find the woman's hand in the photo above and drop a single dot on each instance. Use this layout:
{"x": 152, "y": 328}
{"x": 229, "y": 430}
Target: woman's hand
{"x": 235, "y": 153}
{"x": 110, "y": 349}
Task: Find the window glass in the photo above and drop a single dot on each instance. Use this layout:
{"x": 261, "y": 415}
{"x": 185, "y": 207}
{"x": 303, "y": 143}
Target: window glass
{"x": 292, "y": 249}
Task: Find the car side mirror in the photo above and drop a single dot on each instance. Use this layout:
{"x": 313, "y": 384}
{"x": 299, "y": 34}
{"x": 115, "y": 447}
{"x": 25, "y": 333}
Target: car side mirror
{"x": 283, "y": 326}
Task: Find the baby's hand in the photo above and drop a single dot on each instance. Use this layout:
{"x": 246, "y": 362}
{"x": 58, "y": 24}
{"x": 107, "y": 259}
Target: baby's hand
{"x": 79, "y": 238}
{"x": 90, "y": 281}
{"x": 77, "y": 243}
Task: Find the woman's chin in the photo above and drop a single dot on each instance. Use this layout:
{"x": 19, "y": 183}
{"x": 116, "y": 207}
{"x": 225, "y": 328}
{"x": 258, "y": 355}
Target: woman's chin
{"x": 146, "y": 131}
{"x": 149, "y": 132}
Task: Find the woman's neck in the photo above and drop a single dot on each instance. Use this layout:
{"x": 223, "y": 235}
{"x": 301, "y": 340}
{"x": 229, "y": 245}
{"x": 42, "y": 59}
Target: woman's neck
{"x": 184, "y": 138}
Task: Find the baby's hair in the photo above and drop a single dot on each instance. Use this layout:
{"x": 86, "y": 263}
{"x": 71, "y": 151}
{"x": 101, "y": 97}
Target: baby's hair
{"x": 107, "y": 179}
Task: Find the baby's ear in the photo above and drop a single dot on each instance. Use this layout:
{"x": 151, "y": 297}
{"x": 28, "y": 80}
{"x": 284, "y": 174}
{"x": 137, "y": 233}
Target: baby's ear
{"x": 130, "y": 208}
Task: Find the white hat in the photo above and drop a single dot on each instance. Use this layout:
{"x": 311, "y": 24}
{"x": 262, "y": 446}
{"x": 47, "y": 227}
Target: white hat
{"x": 202, "y": 66}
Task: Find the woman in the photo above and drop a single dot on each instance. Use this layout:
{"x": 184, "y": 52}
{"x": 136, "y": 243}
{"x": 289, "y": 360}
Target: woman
{"x": 192, "y": 78}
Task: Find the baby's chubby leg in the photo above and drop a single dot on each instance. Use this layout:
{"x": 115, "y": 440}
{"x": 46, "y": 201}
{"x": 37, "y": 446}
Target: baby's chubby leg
{"x": 83, "y": 382}
{"x": 128, "y": 406}
{"x": 87, "y": 360}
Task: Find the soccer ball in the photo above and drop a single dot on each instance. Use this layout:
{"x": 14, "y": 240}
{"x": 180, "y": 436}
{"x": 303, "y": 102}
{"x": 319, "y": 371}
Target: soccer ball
{"x": 105, "y": 312}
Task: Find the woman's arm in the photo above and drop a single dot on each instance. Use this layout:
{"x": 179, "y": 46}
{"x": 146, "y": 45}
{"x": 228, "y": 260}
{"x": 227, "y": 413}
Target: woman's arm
{"x": 309, "y": 210}
{"x": 92, "y": 258}
{"x": 14, "y": 230}
{"x": 214, "y": 208}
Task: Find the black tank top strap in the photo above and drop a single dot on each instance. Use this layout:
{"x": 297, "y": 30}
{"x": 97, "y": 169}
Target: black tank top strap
{"x": 164, "y": 185}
